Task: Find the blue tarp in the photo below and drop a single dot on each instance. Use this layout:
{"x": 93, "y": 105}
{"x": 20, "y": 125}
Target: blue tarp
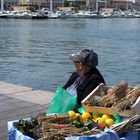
{"x": 14, "y": 134}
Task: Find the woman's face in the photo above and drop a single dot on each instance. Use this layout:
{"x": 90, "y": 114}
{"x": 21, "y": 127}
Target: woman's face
{"x": 78, "y": 67}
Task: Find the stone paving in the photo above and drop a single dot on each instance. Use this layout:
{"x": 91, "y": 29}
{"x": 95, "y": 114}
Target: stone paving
{"x": 18, "y": 102}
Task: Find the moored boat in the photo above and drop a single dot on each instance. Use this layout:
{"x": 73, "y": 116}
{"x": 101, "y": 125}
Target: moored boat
{"x": 3, "y": 14}
{"x": 39, "y": 15}
{"x": 19, "y": 15}
{"x": 137, "y": 15}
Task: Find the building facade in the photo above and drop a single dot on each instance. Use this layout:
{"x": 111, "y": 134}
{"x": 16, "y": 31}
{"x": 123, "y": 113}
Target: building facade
{"x": 9, "y": 3}
{"x": 137, "y": 5}
{"x": 116, "y": 4}
{"x": 47, "y": 3}
{"x": 96, "y": 4}
{"x": 79, "y": 4}
{"x": 38, "y": 4}
{"x": 122, "y": 4}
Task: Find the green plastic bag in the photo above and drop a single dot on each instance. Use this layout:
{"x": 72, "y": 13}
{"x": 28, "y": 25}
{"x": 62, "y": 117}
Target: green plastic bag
{"x": 62, "y": 102}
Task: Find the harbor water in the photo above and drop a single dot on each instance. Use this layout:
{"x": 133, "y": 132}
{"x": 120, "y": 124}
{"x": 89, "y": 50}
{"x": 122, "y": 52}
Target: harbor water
{"x": 34, "y": 53}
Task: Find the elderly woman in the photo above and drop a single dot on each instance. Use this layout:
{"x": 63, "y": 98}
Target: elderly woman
{"x": 86, "y": 76}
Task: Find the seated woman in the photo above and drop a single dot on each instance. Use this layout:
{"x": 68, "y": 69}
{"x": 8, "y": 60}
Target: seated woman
{"x": 86, "y": 76}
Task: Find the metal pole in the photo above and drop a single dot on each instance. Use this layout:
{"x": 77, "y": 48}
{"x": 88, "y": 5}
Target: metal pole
{"x": 1, "y": 5}
{"x": 106, "y": 4}
{"x": 126, "y": 6}
{"x": 50, "y": 5}
{"x": 96, "y": 5}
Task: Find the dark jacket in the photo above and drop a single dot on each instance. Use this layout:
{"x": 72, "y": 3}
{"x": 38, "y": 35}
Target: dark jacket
{"x": 92, "y": 80}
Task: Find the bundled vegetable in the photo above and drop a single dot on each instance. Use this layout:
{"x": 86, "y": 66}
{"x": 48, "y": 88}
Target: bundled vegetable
{"x": 128, "y": 100}
{"x": 131, "y": 124}
{"x": 120, "y": 97}
{"x": 57, "y": 127}
{"x": 114, "y": 94}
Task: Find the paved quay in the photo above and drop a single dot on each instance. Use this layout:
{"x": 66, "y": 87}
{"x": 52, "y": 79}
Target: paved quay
{"x": 18, "y": 102}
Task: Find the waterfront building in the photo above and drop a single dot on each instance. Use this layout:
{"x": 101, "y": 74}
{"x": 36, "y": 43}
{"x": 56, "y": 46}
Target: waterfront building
{"x": 47, "y": 3}
{"x": 116, "y": 4}
{"x": 80, "y": 4}
{"x": 137, "y": 5}
{"x": 77, "y": 4}
{"x": 37, "y": 4}
{"x": 122, "y": 4}
{"x": 7, "y": 4}
{"x": 96, "y": 4}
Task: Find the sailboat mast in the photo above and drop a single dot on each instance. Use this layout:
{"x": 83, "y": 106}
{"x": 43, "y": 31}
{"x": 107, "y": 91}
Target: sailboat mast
{"x": 1, "y": 5}
{"x": 97, "y": 5}
{"x": 51, "y": 5}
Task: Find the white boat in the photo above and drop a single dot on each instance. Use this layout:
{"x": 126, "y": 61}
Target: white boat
{"x": 19, "y": 15}
{"x": 118, "y": 14}
{"x": 85, "y": 14}
{"x": 137, "y": 15}
{"x": 53, "y": 15}
{"x": 39, "y": 15}
{"x": 106, "y": 15}
{"x": 50, "y": 14}
{"x": 129, "y": 14}
{"x": 3, "y": 14}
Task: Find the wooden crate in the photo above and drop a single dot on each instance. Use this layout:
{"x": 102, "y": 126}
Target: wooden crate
{"x": 97, "y": 93}
{"x": 109, "y": 111}
{"x": 136, "y": 106}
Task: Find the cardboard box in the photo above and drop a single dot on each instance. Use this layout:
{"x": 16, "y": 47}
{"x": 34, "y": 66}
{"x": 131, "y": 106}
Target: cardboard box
{"x": 97, "y": 93}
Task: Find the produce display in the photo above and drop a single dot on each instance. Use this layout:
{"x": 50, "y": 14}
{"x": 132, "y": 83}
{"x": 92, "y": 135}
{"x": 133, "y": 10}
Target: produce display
{"x": 57, "y": 127}
{"x": 120, "y": 97}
